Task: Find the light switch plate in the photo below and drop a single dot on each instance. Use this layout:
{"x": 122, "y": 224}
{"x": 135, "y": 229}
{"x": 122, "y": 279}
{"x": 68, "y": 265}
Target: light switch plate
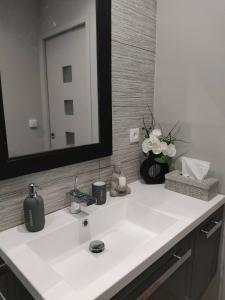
{"x": 134, "y": 135}
{"x": 33, "y": 123}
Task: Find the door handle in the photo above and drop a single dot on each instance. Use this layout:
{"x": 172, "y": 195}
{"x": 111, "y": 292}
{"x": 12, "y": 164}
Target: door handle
{"x": 180, "y": 260}
{"x": 209, "y": 233}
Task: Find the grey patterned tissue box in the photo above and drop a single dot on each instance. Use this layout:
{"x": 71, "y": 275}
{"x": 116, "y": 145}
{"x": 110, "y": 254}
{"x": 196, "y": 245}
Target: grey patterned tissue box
{"x": 201, "y": 189}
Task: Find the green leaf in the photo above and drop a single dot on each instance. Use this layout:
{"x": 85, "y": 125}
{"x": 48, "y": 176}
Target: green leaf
{"x": 146, "y": 129}
{"x": 162, "y": 159}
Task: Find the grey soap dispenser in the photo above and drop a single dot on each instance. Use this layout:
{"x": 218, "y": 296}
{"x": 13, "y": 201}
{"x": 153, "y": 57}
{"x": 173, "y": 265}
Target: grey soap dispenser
{"x": 34, "y": 214}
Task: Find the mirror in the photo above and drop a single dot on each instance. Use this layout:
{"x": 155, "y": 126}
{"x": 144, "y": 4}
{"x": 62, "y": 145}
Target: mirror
{"x": 49, "y": 74}
{"x": 55, "y": 66}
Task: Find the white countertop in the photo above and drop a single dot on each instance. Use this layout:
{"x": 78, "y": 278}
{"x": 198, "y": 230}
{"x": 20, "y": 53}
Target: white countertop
{"x": 44, "y": 283}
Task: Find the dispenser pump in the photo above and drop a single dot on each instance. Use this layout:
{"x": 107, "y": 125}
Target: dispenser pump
{"x": 32, "y": 188}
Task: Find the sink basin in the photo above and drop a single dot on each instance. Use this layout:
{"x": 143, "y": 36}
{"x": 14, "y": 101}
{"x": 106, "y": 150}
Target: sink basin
{"x": 124, "y": 227}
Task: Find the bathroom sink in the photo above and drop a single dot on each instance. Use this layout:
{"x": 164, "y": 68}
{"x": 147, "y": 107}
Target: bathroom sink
{"x": 123, "y": 226}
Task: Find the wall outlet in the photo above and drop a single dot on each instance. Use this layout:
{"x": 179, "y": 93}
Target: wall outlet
{"x": 33, "y": 123}
{"x": 134, "y": 135}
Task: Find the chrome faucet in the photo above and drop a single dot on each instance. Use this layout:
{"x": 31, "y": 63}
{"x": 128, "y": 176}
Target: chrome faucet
{"x": 78, "y": 199}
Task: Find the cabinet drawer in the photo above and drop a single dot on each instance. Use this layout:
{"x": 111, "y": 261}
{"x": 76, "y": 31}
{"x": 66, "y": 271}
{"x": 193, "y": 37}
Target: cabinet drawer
{"x": 205, "y": 254}
{"x": 3, "y": 280}
{"x": 161, "y": 278}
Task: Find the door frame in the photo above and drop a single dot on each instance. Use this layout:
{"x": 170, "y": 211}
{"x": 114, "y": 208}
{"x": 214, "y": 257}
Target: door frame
{"x": 13, "y": 167}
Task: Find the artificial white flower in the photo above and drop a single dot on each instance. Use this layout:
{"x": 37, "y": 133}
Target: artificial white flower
{"x": 146, "y": 146}
{"x": 153, "y": 139}
{"x": 171, "y": 150}
{"x": 157, "y": 132}
{"x": 156, "y": 148}
{"x": 164, "y": 148}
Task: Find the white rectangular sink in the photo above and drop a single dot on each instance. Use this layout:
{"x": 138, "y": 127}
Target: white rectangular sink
{"x": 124, "y": 227}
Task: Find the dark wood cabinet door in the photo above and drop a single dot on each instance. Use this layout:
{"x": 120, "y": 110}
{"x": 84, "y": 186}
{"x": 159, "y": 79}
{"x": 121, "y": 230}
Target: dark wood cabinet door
{"x": 3, "y": 281}
{"x": 10, "y": 287}
{"x": 205, "y": 255}
{"x": 16, "y": 290}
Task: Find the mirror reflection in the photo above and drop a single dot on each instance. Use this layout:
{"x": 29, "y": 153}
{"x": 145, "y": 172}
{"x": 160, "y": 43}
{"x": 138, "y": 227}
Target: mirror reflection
{"x": 48, "y": 65}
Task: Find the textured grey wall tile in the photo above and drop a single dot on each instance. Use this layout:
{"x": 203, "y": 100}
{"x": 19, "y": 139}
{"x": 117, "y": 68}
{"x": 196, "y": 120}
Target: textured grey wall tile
{"x": 132, "y": 72}
{"x": 129, "y": 117}
{"x": 143, "y": 7}
{"x": 129, "y": 101}
{"x": 11, "y": 212}
{"x": 131, "y": 169}
{"x": 133, "y": 69}
{"x": 106, "y": 174}
{"x": 106, "y": 162}
{"x": 131, "y": 27}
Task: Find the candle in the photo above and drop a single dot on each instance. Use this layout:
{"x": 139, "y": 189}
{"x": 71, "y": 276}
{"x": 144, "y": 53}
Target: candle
{"x": 122, "y": 181}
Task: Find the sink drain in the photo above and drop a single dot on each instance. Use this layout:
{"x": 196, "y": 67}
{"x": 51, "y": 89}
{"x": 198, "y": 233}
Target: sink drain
{"x": 97, "y": 247}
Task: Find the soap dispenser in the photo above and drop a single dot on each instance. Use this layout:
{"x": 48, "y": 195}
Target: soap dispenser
{"x": 34, "y": 214}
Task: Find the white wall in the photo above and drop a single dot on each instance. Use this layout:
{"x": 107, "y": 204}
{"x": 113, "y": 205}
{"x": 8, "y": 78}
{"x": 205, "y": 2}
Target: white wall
{"x": 190, "y": 76}
{"x": 19, "y": 67}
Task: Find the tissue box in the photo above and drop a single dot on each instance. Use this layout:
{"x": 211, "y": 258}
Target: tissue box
{"x": 201, "y": 189}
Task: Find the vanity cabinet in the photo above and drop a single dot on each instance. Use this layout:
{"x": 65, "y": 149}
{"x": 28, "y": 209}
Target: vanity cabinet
{"x": 205, "y": 256}
{"x": 3, "y": 280}
{"x": 185, "y": 271}
{"x": 10, "y": 287}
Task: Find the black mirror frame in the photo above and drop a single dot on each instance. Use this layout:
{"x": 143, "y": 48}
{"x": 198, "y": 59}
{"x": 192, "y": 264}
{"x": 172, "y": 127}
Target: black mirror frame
{"x": 13, "y": 167}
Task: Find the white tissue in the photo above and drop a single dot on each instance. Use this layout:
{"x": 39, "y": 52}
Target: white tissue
{"x": 195, "y": 169}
